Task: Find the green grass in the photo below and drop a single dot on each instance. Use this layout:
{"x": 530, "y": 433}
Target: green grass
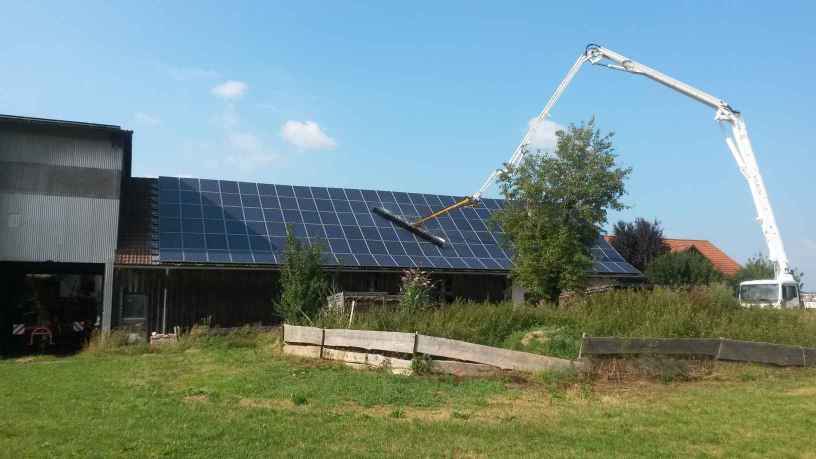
{"x": 238, "y": 397}
{"x": 711, "y": 312}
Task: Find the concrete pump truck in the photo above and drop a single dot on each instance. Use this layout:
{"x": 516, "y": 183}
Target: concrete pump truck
{"x": 780, "y": 292}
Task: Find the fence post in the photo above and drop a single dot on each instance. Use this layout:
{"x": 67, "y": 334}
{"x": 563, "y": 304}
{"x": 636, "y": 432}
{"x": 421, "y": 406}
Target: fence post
{"x": 416, "y": 335}
{"x": 581, "y": 346}
{"x": 322, "y": 341}
{"x": 719, "y": 349}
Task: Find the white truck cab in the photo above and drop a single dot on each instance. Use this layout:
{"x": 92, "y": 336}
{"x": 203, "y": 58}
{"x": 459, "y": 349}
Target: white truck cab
{"x": 770, "y": 294}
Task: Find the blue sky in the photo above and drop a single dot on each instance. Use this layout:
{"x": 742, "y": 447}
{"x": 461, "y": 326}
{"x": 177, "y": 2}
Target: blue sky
{"x": 430, "y": 97}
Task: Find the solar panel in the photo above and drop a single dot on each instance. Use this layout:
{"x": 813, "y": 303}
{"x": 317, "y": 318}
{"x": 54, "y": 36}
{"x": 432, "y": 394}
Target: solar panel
{"x": 221, "y": 221}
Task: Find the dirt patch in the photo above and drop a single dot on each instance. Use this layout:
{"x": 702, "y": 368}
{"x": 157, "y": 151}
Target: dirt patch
{"x": 535, "y": 336}
{"x": 802, "y": 391}
{"x": 266, "y": 403}
{"x": 196, "y": 398}
{"x": 396, "y": 412}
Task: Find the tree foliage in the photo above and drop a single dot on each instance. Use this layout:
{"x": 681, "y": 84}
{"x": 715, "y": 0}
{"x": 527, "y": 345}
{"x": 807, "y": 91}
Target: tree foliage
{"x": 556, "y": 206}
{"x": 682, "y": 269}
{"x": 639, "y": 242}
{"x": 303, "y": 283}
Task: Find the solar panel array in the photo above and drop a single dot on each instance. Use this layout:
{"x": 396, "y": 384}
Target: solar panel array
{"x": 219, "y": 221}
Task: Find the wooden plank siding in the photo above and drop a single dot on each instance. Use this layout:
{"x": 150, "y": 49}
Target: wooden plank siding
{"x": 775, "y": 354}
{"x": 475, "y": 358}
{"x": 664, "y": 346}
{"x": 228, "y": 298}
{"x": 497, "y": 357}
{"x": 371, "y": 340}
{"x": 719, "y": 349}
{"x": 302, "y": 335}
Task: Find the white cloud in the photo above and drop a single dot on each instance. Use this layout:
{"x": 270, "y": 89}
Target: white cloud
{"x": 810, "y": 244}
{"x": 542, "y": 134}
{"x": 146, "y": 119}
{"x": 306, "y": 135}
{"x": 230, "y": 90}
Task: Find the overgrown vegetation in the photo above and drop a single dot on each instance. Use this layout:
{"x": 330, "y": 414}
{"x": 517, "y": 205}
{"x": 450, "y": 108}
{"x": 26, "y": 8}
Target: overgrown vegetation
{"x": 682, "y": 269}
{"x": 303, "y": 283}
{"x": 639, "y": 242}
{"x": 555, "y": 207}
{"x": 415, "y": 289}
{"x": 694, "y": 312}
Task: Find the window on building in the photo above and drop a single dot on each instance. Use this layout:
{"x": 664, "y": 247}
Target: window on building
{"x": 134, "y": 306}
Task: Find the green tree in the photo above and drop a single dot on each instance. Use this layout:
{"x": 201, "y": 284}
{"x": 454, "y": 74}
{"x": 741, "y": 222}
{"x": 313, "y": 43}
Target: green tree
{"x": 639, "y": 242}
{"x": 556, "y": 205}
{"x": 303, "y": 282}
{"x": 682, "y": 269}
{"x": 761, "y": 267}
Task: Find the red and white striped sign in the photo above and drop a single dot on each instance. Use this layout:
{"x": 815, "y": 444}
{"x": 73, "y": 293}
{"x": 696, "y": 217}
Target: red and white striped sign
{"x": 18, "y": 329}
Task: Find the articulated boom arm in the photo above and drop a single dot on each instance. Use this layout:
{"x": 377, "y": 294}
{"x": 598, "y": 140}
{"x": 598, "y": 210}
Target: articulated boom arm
{"x": 739, "y": 143}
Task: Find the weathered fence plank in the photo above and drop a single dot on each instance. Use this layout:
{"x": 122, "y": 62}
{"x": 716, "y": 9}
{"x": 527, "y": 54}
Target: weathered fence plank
{"x": 810, "y": 357}
{"x": 303, "y": 335}
{"x": 500, "y": 358}
{"x": 721, "y": 349}
{"x": 665, "y": 346}
{"x": 302, "y": 351}
{"x": 776, "y": 354}
{"x": 370, "y": 340}
{"x": 381, "y": 361}
{"x": 344, "y": 356}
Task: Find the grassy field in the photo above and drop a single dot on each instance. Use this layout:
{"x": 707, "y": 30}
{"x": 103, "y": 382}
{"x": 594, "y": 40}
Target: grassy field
{"x": 227, "y": 397}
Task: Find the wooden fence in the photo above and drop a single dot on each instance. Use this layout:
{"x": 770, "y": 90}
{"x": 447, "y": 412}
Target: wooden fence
{"x": 394, "y": 350}
{"x": 718, "y": 349}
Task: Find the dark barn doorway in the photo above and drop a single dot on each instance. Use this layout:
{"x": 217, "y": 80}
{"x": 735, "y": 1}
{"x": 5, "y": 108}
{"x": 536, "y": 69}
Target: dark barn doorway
{"x": 49, "y": 307}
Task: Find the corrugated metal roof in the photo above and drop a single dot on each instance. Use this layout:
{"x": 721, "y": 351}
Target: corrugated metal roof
{"x": 27, "y": 120}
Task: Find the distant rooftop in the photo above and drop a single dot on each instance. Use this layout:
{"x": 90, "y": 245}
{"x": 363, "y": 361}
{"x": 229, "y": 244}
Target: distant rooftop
{"x": 717, "y": 257}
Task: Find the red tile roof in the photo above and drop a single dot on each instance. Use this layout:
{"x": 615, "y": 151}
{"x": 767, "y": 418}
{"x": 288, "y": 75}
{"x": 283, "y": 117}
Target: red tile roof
{"x": 717, "y": 257}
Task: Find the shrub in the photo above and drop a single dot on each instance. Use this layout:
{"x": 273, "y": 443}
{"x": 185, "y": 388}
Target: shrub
{"x": 303, "y": 282}
{"x": 682, "y": 269}
{"x": 415, "y": 290}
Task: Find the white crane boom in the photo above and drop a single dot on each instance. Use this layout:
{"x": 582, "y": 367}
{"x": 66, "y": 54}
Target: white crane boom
{"x": 739, "y": 143}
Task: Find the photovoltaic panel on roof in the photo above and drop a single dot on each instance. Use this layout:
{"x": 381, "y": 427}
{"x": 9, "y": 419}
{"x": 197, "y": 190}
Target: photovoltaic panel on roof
{"x": 220, "y": 221}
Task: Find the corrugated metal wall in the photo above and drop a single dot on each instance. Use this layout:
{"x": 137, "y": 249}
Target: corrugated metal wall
{"x": 40, "y": 227}
{"x": 57, "y": 228}
{"x": 30, "y": 146}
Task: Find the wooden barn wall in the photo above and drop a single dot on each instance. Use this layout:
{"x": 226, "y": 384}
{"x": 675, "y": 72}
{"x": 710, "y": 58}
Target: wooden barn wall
{"x": 230, "y": 298}
{"x": 448, "y": 287}
{"x": 227, "y": 298}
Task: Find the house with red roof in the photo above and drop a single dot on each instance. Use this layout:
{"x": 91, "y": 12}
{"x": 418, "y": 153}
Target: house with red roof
{"x": 724, "y": 264}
